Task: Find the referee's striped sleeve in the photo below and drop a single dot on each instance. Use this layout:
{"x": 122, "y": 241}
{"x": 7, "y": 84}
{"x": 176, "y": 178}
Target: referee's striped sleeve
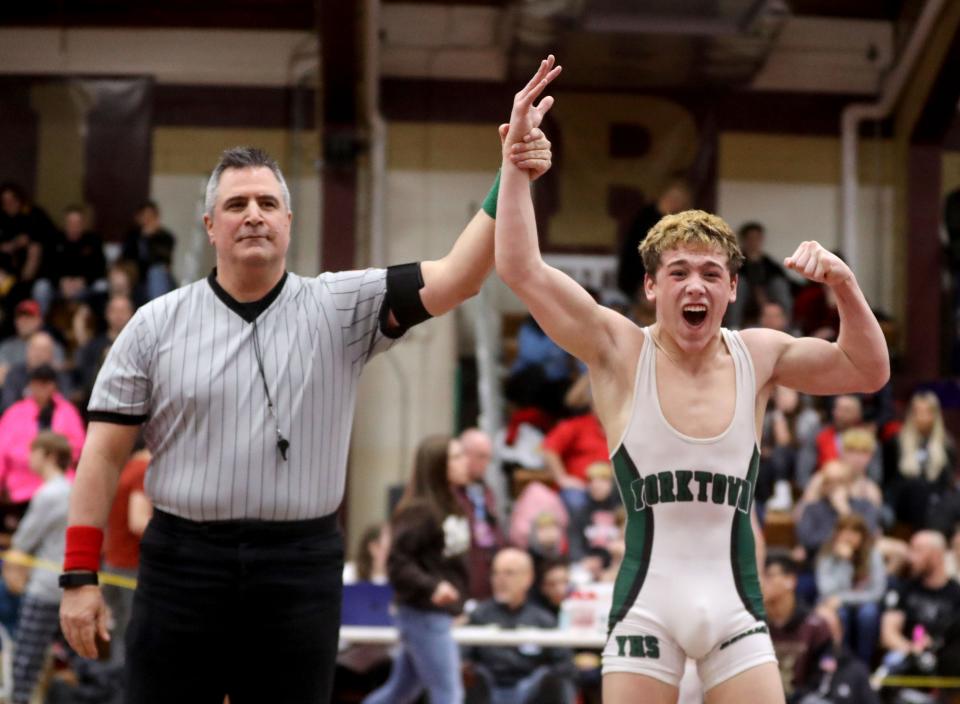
{"x": 121, "y": 393}
{"x": 359, "y": 300}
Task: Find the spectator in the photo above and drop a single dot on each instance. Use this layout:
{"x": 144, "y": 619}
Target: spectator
{"x": 150, "y": 246}
{"x": 476, "y": 500}
{"x": 761, "y": 279}
{"x": 121, "y": 281}
{"x": 568, "y": 449}
{"x": 840, "y": 677}
{"x": 535, "y": 349}
{"x": 594, "y": 567}
{"x": 41, "y": 534}
{"x": 815, "y": 311}
{"x": 859, "y": 447}
{"x": 83, "y": 328}
{"x": 594, "y": 525}
{"x": 25, "y": 230}
{"x": 920, "y": 461}
{"x": 13, "y": 351}
{"x": 847, "y": 412}
{"x": 43, "y": 409}
{"x": 819, "y": 519}
{"x": 674, "y": 198}
{"x": 428, "y": 572}
{"x": 370, "y": 562}
{"x": 41, "y": 351}
{"x": 129, "y": 515}
{"x": 552, "y": 585}
{"x": 536, "y": 501}
{"x": 542, "y": 371}
{"x": 921, "y": 612}
{"x": 800, "y": 636}
{"x": 73, "y": 261}
{"x": 786, "y": 442}
{"x": 526, "y": 674}
{"x": 89, "y": 357}
{"x": 547, "y": 538}
{"x": 851, "y": 580}
{"x": 774, "y": 316}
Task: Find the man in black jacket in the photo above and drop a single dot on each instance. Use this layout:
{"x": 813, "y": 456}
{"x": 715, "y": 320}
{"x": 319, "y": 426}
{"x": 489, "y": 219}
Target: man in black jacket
{"x": 529, "y": 673}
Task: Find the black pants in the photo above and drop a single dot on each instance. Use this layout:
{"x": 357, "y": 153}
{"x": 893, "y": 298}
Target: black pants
{"x": 245, "y": 608}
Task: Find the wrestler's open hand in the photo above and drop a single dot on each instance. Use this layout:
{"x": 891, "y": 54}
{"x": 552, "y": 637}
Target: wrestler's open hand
{"x": 83, "y": 617}
{"x": 816, "y": 263}
{"x": 525, "y": 116}
{"x": 533, "y": 154}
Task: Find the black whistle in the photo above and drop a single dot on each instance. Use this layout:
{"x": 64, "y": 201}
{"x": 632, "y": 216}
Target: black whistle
{"x": 283, "y": 445}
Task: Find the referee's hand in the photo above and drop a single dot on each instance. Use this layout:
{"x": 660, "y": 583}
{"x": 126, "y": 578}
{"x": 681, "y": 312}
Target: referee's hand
{"x": 83, "y": 618}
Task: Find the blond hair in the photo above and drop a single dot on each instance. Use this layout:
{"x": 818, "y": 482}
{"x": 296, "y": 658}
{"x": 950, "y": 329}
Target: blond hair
{"x": 858, "y": 440}
{"x": 936, "y": 444}
{"x": 695, "y": 229}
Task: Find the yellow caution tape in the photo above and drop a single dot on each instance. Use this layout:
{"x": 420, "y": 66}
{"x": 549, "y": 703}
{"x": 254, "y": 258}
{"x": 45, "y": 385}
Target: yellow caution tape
{"x": 918, "y": 681}
{"x": 19, "y": 558}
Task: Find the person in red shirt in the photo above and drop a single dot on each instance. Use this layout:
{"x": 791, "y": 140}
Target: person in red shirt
{"x": 847, "y": 413}
{"x": 572, "y": 446}
{"x": 129, "y": 515}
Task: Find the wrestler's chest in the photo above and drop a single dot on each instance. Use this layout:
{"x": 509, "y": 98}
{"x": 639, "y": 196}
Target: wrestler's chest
{"x": 702, "y": 406}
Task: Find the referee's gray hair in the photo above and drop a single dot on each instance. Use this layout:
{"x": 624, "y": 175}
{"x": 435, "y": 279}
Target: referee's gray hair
{"x": 242, "y": 158}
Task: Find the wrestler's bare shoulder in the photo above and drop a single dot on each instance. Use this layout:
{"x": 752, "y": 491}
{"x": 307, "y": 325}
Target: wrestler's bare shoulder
{"x": 765, "y": 347}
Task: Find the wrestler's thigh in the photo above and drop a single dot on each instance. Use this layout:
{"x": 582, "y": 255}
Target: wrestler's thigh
{"x": 629, "y": 688}
{"x": 758, "y": 684}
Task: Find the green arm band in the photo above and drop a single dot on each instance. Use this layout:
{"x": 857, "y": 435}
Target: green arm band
{"x": 490, "y": 202}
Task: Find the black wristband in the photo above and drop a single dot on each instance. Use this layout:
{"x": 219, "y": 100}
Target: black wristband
{"x": 71, "y": 580}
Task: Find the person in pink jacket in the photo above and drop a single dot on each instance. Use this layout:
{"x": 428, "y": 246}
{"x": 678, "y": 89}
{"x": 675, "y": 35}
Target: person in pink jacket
{"x": 43, "y": 408}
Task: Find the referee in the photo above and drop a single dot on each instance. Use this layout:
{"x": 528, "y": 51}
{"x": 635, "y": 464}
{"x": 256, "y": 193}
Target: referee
{"x": 245, "y": 385}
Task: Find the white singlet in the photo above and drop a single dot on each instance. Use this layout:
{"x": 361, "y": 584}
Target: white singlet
{"x": 688, "y": 584}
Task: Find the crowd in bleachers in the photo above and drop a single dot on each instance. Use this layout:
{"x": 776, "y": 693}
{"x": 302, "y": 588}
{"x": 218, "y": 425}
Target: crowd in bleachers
{"x": 857, "y": 495}
{"x": 64, "y": 298}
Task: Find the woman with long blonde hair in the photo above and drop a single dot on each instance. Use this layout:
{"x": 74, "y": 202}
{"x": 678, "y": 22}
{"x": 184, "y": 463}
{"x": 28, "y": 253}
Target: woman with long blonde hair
{"x": 920, "y": 460}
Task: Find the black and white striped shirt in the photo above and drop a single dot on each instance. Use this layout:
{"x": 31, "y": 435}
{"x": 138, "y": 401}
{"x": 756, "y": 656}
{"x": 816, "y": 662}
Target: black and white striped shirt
{"x": 186, "y": 366}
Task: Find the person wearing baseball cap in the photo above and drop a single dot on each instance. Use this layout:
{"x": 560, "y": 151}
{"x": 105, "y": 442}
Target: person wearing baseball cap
{"x": 27, "y": 319}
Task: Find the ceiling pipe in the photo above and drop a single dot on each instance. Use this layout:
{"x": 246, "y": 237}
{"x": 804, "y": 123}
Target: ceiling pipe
{"x": 855, "y": 113}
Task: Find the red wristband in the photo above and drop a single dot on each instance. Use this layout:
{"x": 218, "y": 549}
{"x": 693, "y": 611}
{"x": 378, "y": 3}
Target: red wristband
{"x": 83, "y": 548}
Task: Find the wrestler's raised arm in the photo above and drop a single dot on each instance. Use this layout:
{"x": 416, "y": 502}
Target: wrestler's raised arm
{"x": 857, "y": 362}
{"x": 565, "y": 311}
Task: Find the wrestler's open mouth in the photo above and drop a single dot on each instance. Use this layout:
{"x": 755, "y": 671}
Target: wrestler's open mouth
{"x": 695, "y": 314}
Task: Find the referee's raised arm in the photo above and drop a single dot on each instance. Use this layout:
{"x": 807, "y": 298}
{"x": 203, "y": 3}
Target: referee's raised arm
{"x": 83, "y": 614}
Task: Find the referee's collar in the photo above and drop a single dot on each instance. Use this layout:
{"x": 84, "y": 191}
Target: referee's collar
{"x": 249, "y": 310}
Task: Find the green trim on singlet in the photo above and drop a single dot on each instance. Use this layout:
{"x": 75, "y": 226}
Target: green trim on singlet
{"x": 743, "y": 552}
{"x": 639, "y": 539}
